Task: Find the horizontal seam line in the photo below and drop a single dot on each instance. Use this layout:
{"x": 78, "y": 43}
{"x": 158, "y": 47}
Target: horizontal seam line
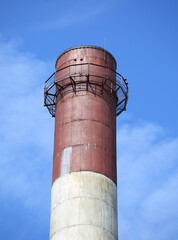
{"x": 75, "y": 225}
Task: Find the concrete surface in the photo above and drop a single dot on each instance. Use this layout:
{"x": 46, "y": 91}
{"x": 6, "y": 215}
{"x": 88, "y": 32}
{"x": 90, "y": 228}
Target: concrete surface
{"x": 83, "y": 207}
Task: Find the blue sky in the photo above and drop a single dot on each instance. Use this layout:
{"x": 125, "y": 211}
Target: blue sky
{"x": 143, "y": 36}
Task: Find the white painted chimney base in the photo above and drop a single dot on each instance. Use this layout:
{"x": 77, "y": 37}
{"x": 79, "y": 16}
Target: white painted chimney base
{"x": 84, "y": 207}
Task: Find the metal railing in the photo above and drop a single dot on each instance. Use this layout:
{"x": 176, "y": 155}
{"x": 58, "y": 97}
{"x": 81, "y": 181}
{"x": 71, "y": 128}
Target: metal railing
{"x": 102, "y": 81}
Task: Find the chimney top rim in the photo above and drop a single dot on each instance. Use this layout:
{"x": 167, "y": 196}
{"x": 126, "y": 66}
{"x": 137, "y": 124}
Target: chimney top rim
{"x": 86, "y": 46}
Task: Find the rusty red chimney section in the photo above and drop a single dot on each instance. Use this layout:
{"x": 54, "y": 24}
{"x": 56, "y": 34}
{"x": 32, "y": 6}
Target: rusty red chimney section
{"x": 85, "y": 94}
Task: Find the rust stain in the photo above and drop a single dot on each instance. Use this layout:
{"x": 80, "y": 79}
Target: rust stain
{"x": 85, "y": 122}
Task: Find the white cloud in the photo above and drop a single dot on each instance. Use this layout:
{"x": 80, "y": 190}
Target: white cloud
{"x": 26, "y": 133}
{"x": 148, "y": 182}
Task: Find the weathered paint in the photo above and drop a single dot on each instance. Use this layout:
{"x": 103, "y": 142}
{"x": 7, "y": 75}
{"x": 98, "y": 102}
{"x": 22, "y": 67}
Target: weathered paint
{"x": 87, "y": 51}
{"x": 92, "y": 136}
{"x": 84, "y": 121}
{"x": 66, "y": 160}
{"x": 84, "y": 196}
{"x": 83, "y": 206}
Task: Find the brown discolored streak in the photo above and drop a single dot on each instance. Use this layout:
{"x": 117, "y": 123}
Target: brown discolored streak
{"x": 85, "y": 123}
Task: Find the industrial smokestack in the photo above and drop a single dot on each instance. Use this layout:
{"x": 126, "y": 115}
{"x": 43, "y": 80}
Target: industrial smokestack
{"x": 85, "y": 95}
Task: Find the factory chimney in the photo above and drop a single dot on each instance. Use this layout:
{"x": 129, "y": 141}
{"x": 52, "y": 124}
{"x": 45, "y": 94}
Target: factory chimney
{"x": 85, "y": 94}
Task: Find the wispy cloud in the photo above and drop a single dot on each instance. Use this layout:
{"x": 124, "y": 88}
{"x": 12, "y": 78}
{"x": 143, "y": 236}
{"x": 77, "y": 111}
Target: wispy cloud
{"x": 148, "y": 182}
{"x": 77, "y": 12}
{"x": 26, "y": 139}
{"x": 25, "y": 133}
